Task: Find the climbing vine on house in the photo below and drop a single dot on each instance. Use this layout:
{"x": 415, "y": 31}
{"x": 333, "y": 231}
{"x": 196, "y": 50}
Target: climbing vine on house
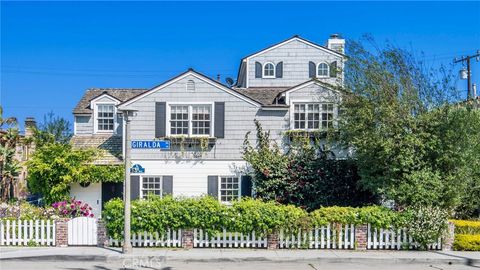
{"x": 54, "y": 166}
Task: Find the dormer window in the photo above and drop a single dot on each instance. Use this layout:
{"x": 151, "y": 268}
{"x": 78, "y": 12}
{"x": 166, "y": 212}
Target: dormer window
{"x": 322, "y": 70}
{"x": 105, "y": 117}
{"x": 268, "y": 70}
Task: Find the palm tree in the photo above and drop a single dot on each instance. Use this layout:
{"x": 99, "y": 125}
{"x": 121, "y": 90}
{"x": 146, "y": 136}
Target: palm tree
{"x": 9, "y": 166}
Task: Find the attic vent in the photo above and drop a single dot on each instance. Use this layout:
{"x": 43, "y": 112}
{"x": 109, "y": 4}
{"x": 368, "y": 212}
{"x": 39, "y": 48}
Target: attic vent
{"x": 190, "y": 86}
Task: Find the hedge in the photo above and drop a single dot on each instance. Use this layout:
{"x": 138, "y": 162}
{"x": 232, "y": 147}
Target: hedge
{"x": 157, "y": 215}
{"x": 466, "y": 226}
{"x": 467, "y": 242}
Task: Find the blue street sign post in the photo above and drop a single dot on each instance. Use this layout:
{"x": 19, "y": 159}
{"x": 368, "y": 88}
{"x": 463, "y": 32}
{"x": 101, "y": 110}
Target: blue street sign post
{"x": 150, "y": 144}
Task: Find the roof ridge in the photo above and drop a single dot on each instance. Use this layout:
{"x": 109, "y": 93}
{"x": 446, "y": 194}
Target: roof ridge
{"x": 114, "y": 88}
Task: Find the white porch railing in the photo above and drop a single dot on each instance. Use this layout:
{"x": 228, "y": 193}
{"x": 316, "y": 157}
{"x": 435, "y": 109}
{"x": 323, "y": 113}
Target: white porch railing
{"x": 27, "y": 232}
{"x": 394, "y": 239}
{"x": 228, "y": 240}
{"x": 172, "y": 238}
{"x": 325, "y": 237}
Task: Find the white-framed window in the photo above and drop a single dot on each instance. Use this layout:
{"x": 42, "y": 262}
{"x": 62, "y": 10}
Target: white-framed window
{"x": 268, "y": 70}
{"x": 190, "y": 86}
{"x": 229, "y": 189}
{"x": 191, "y": 119}
{"x": 151, "y": 185}
{"x": 105, "y": 117}
{"x": 322, "y": 70}
{"x": 311, "y": 116}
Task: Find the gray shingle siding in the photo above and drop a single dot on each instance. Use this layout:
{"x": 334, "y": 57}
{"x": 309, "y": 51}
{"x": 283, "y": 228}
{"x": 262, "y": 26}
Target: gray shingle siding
{"x": 83, "y": 125}
{"x": 295, "y": 56}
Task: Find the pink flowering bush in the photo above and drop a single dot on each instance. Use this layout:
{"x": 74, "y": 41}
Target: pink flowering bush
{"x": 72, "y": 208}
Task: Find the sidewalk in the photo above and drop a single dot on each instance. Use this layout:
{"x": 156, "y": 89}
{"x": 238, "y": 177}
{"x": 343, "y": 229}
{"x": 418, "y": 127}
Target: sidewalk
{"x": 237, "y": 255}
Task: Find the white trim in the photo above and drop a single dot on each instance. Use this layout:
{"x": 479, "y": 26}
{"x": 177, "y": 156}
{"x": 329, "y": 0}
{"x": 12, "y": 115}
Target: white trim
{"x": 263, "y": 71}
{"x": 303, "y": 85}
{"x": 196, "y": 75}
{"x": 141, "y": 184}
{"x": 95, "y": 116}
{"x": 220, "y": 185}
{"x": 297, "y": 39}
{"x": 275, "y": 108}
{"x": 292, "y": 114}
{"x": 190, "y": 104}
{"x": 246, "y": 72}
{"x": 328, "y": 70}
{"x": 114, "y": 99}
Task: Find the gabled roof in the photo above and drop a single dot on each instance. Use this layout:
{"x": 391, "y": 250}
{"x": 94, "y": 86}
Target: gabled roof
{"x": 191, "y": 72}
{"x": 267, "y": 96}
{"x": 313, "y": 81}
{"x": 298, "y": 38}
{"x": 121, "y": 94}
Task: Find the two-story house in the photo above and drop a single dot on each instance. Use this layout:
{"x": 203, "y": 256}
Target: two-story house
{"x": 288, "y": 86}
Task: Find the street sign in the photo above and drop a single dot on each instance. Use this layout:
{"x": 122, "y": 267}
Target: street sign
{"x": 150, "y": 144}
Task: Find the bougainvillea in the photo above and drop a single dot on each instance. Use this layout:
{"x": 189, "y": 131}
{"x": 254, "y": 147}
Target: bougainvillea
{"x": 73, "y": 208}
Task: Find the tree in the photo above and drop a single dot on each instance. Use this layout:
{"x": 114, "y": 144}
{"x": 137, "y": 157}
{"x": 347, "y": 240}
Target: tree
{"x": 9, "y": 166}
{"x": 54, "y": 166}
{"x": 412, "y": 144}
{"x": 53, "y": 129}
{"x": 305, "y": 175}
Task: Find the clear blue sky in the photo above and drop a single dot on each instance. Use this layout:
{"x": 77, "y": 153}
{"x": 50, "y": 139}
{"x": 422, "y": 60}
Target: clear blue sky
{"x": 52, "y": 51}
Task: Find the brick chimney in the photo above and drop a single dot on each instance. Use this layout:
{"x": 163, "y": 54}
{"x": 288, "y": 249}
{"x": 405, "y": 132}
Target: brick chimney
{"x": 336, "y": 43}
{"x": 30, "y": 125}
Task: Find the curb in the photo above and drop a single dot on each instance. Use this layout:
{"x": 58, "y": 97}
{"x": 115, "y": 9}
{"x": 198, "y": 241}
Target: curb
{"x": 103, "y": 258}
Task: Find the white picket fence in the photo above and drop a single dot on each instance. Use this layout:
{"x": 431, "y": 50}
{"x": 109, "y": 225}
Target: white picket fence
{"x": 226, "y": 239}
{"x": 27, "y": 232}
{"x": 172, "y": 238}
{"x": 325, "y": 237}
{"x": 394, "y": 239}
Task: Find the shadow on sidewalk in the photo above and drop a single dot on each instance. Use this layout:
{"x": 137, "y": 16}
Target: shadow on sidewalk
{"x": 468, "y": 261}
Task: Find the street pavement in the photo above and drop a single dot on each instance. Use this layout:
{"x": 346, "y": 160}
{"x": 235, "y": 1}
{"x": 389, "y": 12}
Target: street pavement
{"x": 79, "y": 258}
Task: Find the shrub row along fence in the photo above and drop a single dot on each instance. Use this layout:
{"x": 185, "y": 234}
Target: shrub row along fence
{"x": 27, "y": 232}
{"x": 332, "y": 236}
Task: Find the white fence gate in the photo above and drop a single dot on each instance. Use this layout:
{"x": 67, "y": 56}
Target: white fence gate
{"x": 82, "y": 231}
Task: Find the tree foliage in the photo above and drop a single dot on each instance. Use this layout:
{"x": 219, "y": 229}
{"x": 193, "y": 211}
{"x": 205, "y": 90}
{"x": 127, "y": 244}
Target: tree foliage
{"x": 9, "y": 165}
{"x": 305, "y": 175}
{"x": 54, "y": 166}
{"x": 53, "y": 129}
{"x": 412, "y": 144}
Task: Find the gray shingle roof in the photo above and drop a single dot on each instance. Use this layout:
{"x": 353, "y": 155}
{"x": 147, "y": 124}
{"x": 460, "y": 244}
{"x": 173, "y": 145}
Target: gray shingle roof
{"x": 122, "y": 94}
{"x": 110, "y": 145}
{"x": 264, "y": 95}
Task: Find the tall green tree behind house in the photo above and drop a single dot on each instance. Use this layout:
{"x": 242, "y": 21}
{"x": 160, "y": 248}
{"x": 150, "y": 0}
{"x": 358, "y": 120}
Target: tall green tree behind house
{"x": 9, "y": 166}
{"x": 53, "y": 129}
{"x": 413, "y": 144}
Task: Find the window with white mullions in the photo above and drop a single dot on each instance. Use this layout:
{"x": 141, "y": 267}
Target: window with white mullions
{"x": 269, "y": 70}
{"x": 311, "y": 116}
{"x": 105, "y": 117}
{"x": 179, "y": 120}
{"x": 327, "y": 116}
{"x": 322, "y": 70}
{"x": 229, "y": 188}
{"x": 151, "y": 185}
{"x": 201, "y": 119}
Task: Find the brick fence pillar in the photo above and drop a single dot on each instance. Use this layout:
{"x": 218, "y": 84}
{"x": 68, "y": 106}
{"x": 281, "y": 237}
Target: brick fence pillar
{"x": 187, "y": 238}
{"x": 361, "y": 232}
{"x": 61, "y": 232}
{"x": 102, "y": 236}
{"x": 449, "y": 237}
{"x": 272, "y": 241}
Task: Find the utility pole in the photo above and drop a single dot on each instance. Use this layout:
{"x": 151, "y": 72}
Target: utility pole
{"x": 466, "y": 59}
{"x": 127, "y": 246}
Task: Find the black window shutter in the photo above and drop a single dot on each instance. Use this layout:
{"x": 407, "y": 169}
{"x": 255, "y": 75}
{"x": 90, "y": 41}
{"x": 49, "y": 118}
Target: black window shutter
{"x": 246, "y": 186}
{"x": 312, "y": 72}
{"x": 333, "y": 69}
{"x": 279, "y": 70}
{"x": 258, "y": 70}
{"x": 212, "y": 187}
{"x": 167, "y": 185}
{"x": 219, "y": 126}
{"x": 160, "y": 119}
{"x": 134, "y": 187}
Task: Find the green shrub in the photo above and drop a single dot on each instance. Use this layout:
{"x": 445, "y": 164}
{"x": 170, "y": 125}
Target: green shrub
{"x": 466, "y": 226}
{"x": 426, "y": 224}
{"x": 24, "y": 210}
{"x": 467, "y": 242}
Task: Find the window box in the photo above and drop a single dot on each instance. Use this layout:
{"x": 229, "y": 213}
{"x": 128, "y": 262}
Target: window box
{"x": 312, "y": 134}
{"x": 202, "y": 141}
